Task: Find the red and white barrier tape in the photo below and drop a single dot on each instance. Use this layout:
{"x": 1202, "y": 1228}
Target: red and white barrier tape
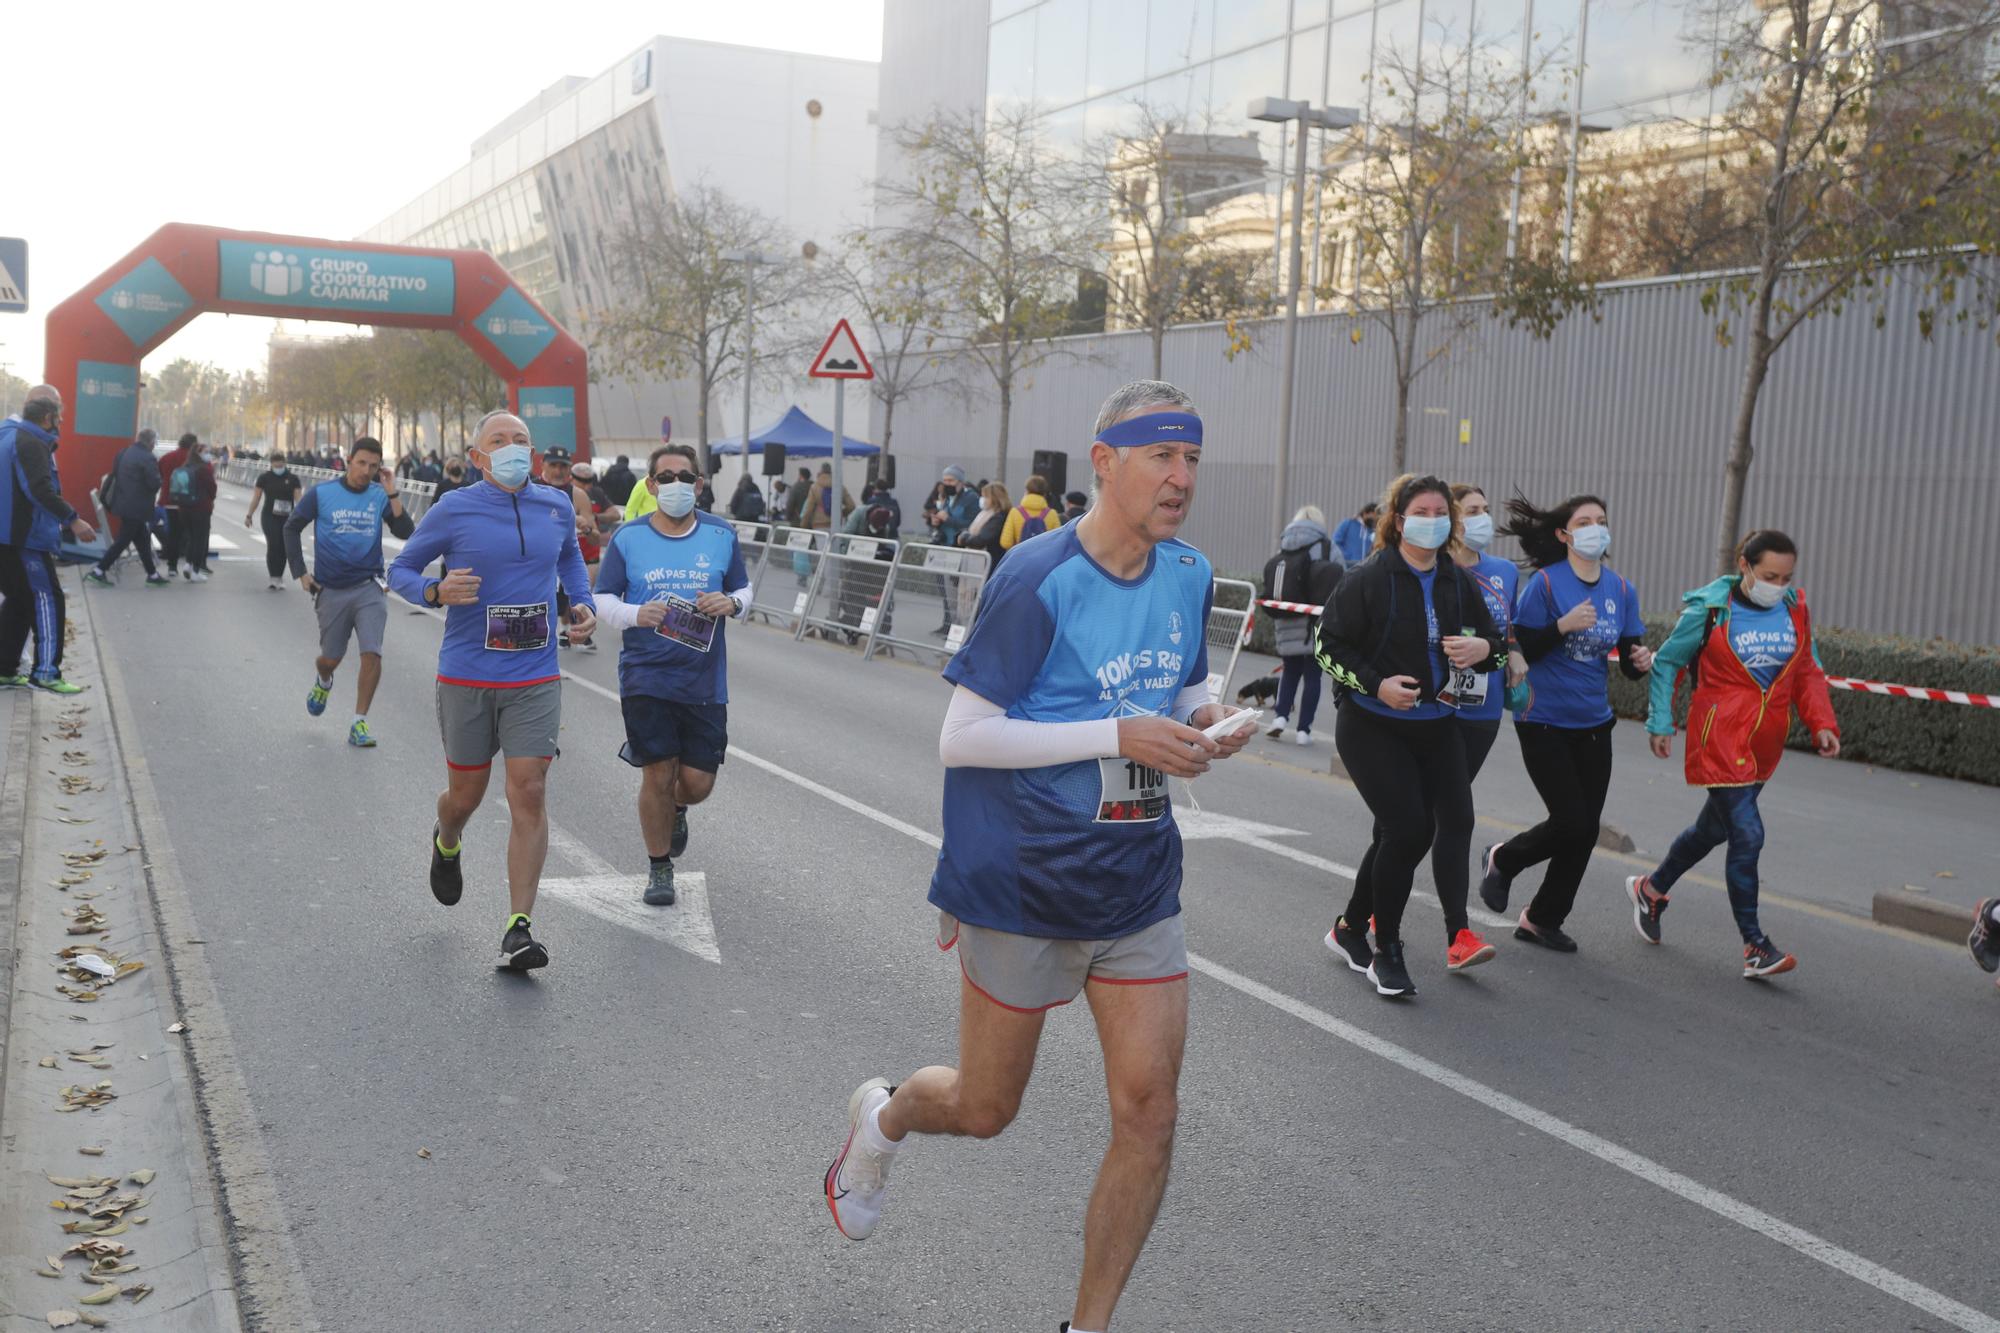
{"x": 1836, "y": 682}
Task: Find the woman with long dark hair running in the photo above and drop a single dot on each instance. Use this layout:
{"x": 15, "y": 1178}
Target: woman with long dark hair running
{"x": 1747, "y": 641}
{"x": 1572, "y": 612}
{"x": 1398, "y": 628}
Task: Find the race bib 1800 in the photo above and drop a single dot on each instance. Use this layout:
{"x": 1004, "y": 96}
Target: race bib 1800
{"x": 517, "y": 629}
{"x": 686, "y": 625}
{"x": 1129, "y": 792}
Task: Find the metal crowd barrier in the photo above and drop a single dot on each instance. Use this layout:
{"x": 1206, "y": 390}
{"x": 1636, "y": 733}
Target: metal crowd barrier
{"x": 787, "y": 568}
{"x": 922, "y": 577}
{"x": 1227, "y": 631}
{"x": 418, "y": 496}
{"x": 846, "y": 597}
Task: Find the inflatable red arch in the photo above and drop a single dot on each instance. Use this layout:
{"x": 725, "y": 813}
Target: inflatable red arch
{"x": 97, "y": 337}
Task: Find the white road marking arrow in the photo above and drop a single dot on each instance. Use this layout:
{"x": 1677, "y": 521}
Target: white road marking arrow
{"x": 604, "y": 892}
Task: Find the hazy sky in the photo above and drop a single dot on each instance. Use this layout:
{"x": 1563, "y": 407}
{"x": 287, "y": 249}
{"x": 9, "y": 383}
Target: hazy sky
{"x": 312, "y": 118}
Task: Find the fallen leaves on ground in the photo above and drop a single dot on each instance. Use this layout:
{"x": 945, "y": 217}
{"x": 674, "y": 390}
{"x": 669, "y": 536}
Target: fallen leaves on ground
{"x": 92, "y": 1150}
{"x": 76, "y": 758}
{"x": 64, "y": 1319}
{"x": 87, "y": 920}
{"x": 77, "y": 1098}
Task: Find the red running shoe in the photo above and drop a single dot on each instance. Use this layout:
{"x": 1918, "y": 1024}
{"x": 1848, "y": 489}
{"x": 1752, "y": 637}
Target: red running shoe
{"x": 1467, "y": 950}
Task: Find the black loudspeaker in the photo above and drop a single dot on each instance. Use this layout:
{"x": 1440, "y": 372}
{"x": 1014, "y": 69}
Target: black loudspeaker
{"x": 774, "y": 459}
{"x": 882, "y": 468}
{"x": 1055, "y": 468}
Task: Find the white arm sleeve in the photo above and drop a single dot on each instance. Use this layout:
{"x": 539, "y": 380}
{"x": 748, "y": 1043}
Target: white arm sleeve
{"x": 1190, "y": 698}
{"x": 616, "y": 614}
{"x": 743, "y": 596}
{"x": 979, "y": 734}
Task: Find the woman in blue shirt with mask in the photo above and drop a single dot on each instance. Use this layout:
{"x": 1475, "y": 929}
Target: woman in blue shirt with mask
{"x": 1571, "y": 613}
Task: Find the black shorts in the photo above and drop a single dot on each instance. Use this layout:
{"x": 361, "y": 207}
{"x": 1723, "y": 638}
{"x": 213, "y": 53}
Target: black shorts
{"x": 660, "y": 729}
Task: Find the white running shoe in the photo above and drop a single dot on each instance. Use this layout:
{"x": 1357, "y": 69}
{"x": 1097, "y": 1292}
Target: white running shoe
{"x": 858, "y": 1180}
{"x": 199, "y": 576}
{"x": 1302, "y": 738}
{"x": 1277, "y": 728}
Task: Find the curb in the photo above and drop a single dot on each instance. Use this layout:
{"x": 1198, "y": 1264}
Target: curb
{"x": 255, "y": 1250}
{"x": 13, "y": 845}
{"x": 1938, "y": 920}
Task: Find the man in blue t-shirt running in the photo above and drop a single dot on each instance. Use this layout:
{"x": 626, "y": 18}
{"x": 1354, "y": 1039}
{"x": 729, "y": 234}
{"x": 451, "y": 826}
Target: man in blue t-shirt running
{"x": 349, "y": 594}
{"x": 1081, "y": 689}
{"x": 668, "y": 581}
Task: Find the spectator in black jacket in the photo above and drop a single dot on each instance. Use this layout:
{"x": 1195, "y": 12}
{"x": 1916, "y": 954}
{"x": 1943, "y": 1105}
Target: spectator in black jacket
{"x": 618, "y": 481}
{"x": 129, "y": 495}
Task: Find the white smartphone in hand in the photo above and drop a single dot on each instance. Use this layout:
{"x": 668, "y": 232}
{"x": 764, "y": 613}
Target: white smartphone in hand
{"x": 1234, "y": 723}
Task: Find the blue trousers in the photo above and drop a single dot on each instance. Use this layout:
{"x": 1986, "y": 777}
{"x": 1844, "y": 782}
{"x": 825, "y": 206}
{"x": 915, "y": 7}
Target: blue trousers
{"x": 31, "y": 601}
{"x": 1730, "y": 815}
{"x": 1295, "y": 672}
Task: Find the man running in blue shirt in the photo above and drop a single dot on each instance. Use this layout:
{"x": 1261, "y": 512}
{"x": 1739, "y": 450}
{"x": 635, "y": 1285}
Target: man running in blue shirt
{"x": 347, "y": 515}
{"x": 506, "y": 545}
{"x": 1079, "y": 691}
{"x": 668, "y": 581}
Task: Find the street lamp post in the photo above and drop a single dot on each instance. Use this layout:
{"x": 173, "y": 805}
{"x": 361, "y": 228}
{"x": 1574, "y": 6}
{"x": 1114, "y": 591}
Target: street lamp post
{"x": 1278, "y": 111}
{"x": 750, "y": 259}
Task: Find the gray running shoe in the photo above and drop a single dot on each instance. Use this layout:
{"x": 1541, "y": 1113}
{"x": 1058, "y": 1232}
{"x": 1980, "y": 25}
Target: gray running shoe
{"x": 660, "y": 884}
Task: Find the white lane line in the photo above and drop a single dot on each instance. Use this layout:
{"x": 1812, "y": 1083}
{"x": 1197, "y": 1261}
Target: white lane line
{"x": 1722, "y": 1205}
{"x": 603, "y": 892}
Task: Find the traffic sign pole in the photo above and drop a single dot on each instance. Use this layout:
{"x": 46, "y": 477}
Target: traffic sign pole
{"x": 833, "y": 523}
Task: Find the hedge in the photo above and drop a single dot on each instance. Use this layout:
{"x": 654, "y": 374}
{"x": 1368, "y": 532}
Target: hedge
{"x": 1915, "y": 735}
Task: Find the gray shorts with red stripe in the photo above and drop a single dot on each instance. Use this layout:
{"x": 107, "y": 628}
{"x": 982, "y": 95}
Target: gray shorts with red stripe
{"x": 1028, "y": 974}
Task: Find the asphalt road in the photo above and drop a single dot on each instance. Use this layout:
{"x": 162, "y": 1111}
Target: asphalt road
{"x": 1625, "y": 1138}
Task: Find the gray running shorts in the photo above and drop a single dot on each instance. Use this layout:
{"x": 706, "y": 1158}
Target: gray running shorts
{"x": 1028, "y": 974}
{"x": 480, "y": 721}
{"x": 361, "y": 611}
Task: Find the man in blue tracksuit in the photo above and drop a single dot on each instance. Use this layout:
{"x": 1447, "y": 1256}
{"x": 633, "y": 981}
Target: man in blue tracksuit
{"x": 347, "y": 515}
{"x": 33, "y": 517}
{"x": 670, "y": 581}
{"x": 507, "y": 545}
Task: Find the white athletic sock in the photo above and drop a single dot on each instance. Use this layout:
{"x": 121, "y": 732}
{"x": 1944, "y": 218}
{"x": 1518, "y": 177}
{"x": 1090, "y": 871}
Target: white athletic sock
{"x": 872, "y": 1136}
{"x": 326, "y": 682}
{"x": 359, "y": 717}
{"x": 1993, "y": 914}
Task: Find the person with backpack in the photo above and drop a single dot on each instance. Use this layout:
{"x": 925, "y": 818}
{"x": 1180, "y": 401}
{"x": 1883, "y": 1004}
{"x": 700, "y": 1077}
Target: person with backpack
{"x": 195, "y": 479}
{"x": 1288, "y": 577}
{"x": 127, "y": 495}
{"x": 33, "y": 518}
{"x": 1032, "y": 517}
{"x": 747, "y": 504}
{"x": 1400, "y": 626}
{"x": 1745, "y": 641}
{"x": 1570, "y": 615}
{"x": 170, "y": 463}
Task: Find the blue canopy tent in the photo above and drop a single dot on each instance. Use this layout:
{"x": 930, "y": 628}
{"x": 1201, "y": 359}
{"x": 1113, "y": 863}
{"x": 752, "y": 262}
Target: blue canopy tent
{"x": 800, "y": 434}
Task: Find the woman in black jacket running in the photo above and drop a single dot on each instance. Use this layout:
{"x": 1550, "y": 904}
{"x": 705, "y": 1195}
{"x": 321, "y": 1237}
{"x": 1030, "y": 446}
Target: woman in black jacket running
{"x": 1397, "y": 625}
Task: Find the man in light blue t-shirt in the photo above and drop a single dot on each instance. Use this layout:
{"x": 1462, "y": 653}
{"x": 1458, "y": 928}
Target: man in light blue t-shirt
{"x": 670, "y": 580}
{"x": 1080, "y": 690}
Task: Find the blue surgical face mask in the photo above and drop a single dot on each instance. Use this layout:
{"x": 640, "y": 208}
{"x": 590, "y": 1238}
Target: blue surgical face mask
{"x": 677, "y": 499}
{"x": 1591, "y": 541}
{"x": 1427, "y": 534}
{"x": 508, "y": 465}
{"x": 1479, "y": 531}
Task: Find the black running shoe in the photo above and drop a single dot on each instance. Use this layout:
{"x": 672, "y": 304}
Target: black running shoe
{"x": 660, "y": 884}
{"x": 1765, "y": 959}
{"x": 1549, "y": 937}
{"x": 1391, "y": 978}
{"x": 520, "y": 950}
{"x": 1984, "y": 941}
{"x": 679, "y": 842}
{"x": 1493, "y": 885}
{"x": 1350, "y": 945}
{"x": 447, "y": 878}
{"x": 1646, "y": 908}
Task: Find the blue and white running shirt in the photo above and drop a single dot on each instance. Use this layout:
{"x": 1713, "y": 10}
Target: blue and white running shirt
{"x": 684, "y": 660}
{"x": 1086, "y": 850}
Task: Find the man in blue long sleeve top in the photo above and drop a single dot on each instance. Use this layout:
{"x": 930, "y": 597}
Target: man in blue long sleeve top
{"x": 33, "y": 517}
{"x": 506, "y": 545}
{"x": 670, "y": 581}
{"x": 347, "y": 515}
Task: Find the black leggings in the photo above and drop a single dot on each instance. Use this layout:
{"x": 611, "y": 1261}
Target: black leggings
{"x": 1478, "y": 737}
{"x": 275, "y": 559}
{"x": 1413, "y": 776}
{"x": 1571, "y": 768}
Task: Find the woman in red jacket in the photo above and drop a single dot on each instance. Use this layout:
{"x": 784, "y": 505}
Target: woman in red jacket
{"x": 1748, "y": 640}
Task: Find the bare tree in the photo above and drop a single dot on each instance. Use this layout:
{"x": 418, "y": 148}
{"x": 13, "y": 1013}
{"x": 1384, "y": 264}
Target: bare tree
{"x": 1423, "y": 194}
{"x": 992, "y": 214}
{"x": 684, "y": 312}
{"x": 1868, "y": 136}
{"x": 903, "y": 307}
{"x": 1154, "y": 185}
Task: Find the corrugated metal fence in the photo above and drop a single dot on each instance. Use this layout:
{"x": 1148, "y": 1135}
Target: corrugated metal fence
{"x": 1878, "y": 452}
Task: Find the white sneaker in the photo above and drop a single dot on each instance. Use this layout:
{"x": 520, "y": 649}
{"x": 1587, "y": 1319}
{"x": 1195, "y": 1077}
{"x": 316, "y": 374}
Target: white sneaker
{"x": 276, "y": 586}
{"x": 1302, "y": 738}
{"x": 858, "y": 1180}
{"x": 1276, "y": 729}
{"x": 199, "y": 576}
